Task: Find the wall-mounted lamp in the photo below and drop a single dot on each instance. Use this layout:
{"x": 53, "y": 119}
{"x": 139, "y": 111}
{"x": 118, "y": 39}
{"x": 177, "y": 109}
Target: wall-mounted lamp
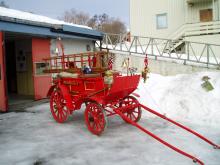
{"x": 88, "y": 48}
{"x": 190, "y": 4}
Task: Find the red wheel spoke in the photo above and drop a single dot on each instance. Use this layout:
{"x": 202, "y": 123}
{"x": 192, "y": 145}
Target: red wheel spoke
{"x": 58, "y": 115}
{"x": 55, "y": 110}
{"x": 135, "y": 112}
{"x": 130, "y": 116}
{"x": 133, "y": 116}
{"x": 93, "y": 125}
{"x": 62, "y": 114}
{"x": 99, "y": 124}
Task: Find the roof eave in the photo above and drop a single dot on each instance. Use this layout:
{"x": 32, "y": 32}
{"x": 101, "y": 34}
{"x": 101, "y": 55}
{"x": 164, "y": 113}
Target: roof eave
{"x": 65, "y": 29}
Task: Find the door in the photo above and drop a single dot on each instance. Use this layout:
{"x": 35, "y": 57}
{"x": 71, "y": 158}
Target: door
{"x": 206, "y": 15}
{"x": 3, "y": 96}
{"x": 42, "y": 82}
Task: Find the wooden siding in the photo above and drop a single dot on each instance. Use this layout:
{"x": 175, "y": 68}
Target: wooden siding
{"x": 25, "y": 78}
{"x": 179, "y": 12}
{"x": 143, "y": 16}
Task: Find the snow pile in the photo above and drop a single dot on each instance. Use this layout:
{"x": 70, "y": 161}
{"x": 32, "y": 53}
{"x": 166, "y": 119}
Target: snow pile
{"x": 34, "y": 17}
{"x": 181, "y": 97}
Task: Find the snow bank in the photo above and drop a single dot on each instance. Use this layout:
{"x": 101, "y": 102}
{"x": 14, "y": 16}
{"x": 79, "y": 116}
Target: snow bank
{"x": 181, "y": 97}
{"x": 34, "y": 17}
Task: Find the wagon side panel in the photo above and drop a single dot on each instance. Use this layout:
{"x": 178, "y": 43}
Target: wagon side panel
{"x": 122, "y": 87}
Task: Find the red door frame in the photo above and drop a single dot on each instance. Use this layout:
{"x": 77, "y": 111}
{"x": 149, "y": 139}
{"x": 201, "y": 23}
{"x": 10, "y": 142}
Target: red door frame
{"x": 3, "y": 84}
{"x": 42, "y": 83}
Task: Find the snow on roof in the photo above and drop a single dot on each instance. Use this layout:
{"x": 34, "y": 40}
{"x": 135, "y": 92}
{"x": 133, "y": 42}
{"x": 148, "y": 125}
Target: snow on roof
{"x": 11, "y": 13}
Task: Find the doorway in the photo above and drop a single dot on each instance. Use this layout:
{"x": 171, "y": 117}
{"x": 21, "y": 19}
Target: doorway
{"x": 11, "y": 75}
{"x": 19, "y": 70}
{"x": 206, "y": 15}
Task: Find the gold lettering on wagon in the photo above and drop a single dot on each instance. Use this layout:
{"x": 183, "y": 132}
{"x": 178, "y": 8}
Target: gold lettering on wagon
{"x": 71, "y": 83}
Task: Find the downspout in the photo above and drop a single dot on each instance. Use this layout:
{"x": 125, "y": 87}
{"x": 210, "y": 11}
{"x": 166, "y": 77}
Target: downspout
{"x": 213, "y": 10}
{"x": 186, "y": 12}
{"x": 218, "y": 4}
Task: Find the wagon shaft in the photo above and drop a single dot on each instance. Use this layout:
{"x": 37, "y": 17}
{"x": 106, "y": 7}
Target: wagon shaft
{"x": 126, "y": 108}
{"x": 194, "y": 159}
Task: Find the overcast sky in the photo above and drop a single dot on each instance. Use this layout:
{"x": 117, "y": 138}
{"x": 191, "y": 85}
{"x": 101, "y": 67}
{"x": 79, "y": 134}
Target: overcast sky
{"x": 55, "y": 8}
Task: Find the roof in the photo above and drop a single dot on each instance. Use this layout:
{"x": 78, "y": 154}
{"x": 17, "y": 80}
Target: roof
{"x": 24, "y": 22}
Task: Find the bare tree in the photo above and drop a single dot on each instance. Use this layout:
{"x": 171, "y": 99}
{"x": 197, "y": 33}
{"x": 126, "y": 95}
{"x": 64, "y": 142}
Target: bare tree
{"x": 100, "y": 22}
{"x": 93, "y": 22}
{"x": 73, "y": 16}
{"x": 3, "y": 4}
{"x": 114, "y": 26}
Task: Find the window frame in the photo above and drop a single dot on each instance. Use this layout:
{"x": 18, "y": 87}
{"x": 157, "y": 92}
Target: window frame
{"x": 157, "y": 21}
{"x": 36, "y": 73}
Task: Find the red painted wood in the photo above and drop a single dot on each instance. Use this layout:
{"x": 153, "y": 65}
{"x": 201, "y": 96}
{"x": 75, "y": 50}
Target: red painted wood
{"x": 3, "y": 96}
{"x": 156, "y": 137}
{"x": 216, "y": 146}
{"x": 42, "y": 83}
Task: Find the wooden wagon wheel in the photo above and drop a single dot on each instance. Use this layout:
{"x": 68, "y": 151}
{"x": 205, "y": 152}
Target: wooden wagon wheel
{"x": 58, "y": 106}
{"x": 95, "y": 118}
{"x": 133, "y": 114}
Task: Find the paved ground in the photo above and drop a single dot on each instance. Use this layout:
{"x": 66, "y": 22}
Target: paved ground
{"x": 33, "y": 137}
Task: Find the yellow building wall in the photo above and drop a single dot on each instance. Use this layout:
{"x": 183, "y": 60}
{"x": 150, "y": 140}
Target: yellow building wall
{"x": 24, "y": 78}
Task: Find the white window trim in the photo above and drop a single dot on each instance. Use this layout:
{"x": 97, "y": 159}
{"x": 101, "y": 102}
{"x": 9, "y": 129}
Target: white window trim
{"x": 162, "y": 14}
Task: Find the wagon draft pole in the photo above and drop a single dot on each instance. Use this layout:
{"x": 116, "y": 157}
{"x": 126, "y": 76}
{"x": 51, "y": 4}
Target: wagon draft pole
{"x": 195, "y": 160}
{"x": 87, "y": 78}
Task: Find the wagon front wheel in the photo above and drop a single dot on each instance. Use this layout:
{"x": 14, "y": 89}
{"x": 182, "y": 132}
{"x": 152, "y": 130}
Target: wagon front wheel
{"x": 134, "y": 114}
{"x": 58, "y": 106}
{"x": 95, "y": 118}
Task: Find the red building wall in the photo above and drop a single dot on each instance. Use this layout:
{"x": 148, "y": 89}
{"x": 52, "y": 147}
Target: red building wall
{"x": 42, "y": 83}
{"x": 3, "y": 97}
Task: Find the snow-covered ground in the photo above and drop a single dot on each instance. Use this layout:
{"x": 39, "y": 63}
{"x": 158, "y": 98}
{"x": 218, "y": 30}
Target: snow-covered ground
{"x": 33, "y": 137}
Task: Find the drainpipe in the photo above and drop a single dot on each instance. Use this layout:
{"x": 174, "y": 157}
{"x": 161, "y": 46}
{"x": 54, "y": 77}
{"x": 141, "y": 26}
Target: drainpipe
{"x": 218, "y": 10}
{"x": 213, "y": 10}
{"x": 186, "y": 12}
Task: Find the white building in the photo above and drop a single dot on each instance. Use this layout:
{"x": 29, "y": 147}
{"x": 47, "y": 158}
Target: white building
{"x": 192, "y": 20}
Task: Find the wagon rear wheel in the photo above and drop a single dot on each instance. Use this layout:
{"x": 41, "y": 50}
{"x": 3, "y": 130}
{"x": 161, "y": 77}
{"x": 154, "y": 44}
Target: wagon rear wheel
{"x": 133, "y": 114}
{"x": 58, "y": 106}
{"x": 95, "y": 118}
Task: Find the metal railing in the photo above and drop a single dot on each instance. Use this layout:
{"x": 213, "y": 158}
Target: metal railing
{"x": 202, "y": 28}
{"x": 188, "y": 53}
{"x": 195, "y": 29}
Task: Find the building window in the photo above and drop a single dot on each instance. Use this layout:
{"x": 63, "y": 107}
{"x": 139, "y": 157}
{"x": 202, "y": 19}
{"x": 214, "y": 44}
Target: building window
{"x": 162, "y": 21}
{"x": 40, "y": 67}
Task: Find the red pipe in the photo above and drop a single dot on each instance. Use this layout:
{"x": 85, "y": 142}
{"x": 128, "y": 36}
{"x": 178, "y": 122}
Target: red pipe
{"x": 157, "y": 138}
{"x": 181, "y": 126}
